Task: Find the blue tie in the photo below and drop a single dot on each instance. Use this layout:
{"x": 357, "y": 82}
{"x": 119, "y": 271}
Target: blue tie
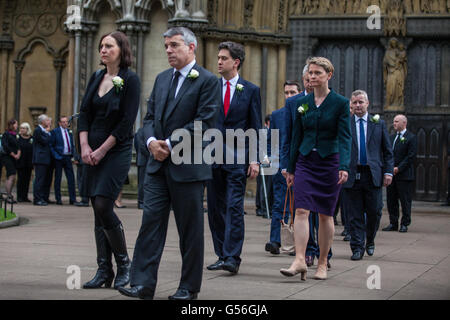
{"x": 362, "y": 143}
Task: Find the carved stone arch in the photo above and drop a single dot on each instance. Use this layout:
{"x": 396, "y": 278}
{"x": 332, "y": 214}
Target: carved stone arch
{"x": 92, "y": 7}
{"x": 29, "y": 48}
{"x": 144, "y": 8}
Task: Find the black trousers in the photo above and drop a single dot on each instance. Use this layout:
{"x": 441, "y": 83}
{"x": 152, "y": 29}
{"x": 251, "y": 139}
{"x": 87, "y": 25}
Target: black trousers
{"x": 40, "y": 185}
{"x": 80, "y": 185}
{"x": 160, "y": 193}
{"x": 66, "y": 164}
{"x": 363, "y": 205}
{"x": 399, "y": 191}
{"x": 141, "y": 179}
{"x": 23, "y": 182}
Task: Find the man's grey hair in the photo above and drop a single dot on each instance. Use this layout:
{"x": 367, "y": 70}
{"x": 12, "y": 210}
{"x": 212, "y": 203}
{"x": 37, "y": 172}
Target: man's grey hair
{"x": 42, "y": 118}
{"x": 187, "y": 35}
{"x": 305, "y": 71}
{"x": 360, "y": 93}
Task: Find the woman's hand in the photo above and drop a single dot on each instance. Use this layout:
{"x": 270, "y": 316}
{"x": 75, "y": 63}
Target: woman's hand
{"x": 86, "y": 154}
{"x": 343, "y": 176}
{"x": 290, "y": 179}
{"x": 97, "y": 156}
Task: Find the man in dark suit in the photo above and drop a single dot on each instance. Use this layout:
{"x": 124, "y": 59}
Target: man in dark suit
{"x": 42, "y": 159}
{"x": 62, "y": 147}
{"x": 291, "y": 88}
{"x": 371, "y": 168}
{"x": 241, "y": 109}
{"x": 404, "y": 145}
{"x": 141, "y": 163}
{"x": 181, "y": 95}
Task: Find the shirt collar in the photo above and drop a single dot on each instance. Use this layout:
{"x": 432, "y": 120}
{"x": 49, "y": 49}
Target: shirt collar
{"x": 233, "y": 82}
{"x": 363, "y": 117}
{"x": 402, "y": 133}
{"x": 186, "y": 69}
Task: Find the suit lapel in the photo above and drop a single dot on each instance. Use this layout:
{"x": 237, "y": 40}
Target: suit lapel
{"x": 236, "y": 96}
{"x": 370, "y": 128}
{"x": 161, "y": 103}
{"x": 187, "y": 83}
{"x": 354, "y": 137}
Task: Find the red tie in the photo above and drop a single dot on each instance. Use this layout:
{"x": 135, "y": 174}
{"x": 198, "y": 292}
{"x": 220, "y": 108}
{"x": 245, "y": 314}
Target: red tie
{"x": 67, "y": 140}
{"x": 226, "y": 102}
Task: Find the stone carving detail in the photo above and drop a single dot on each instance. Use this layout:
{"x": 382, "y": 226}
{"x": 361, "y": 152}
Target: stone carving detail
{"x": 47, "y": 24}
{"x": 395, "y": 23}
{"x": 24, "y": 25}
{"x": 248, "y": 14}
{"x": 394, "y": 73}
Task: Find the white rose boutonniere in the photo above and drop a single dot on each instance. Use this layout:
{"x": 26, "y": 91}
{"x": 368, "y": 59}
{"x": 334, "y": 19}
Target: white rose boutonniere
{"x": 193, "y": 74}
{"x": 303, "y": 108}
{"x": 118, "y": 83}
{"x": 31, "y": 140}
{"x": 376, "y": 118}
{"x": 239, "y": 87}
{"x": 402, "y": 139}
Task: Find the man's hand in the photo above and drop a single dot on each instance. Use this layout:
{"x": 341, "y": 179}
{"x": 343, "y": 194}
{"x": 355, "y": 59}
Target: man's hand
{"x": 387, "y": 180}
{"x": 253, "y": 170}
{"x": 343, "y": 176}
{"x": 159, "y": 149}
{"x": 395, "y": 170}
{"x": 284, "y": 173}
{"x": 290, "y": 179}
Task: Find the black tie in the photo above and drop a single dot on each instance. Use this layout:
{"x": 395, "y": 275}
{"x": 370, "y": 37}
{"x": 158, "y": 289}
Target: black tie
{"x": 398, "y": 139}
{"x": 173, "y": 87}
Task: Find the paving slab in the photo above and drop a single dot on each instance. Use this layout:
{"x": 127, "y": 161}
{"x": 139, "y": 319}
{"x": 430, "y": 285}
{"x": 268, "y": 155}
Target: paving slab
{"x": 35, "y": 256}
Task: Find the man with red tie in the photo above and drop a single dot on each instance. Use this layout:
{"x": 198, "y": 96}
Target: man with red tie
{"x": 241, "y": 109}
{"x": 62, "y": 147}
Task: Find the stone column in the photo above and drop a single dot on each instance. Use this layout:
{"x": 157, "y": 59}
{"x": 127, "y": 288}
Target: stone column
{"x": 6, "y": 46}
{"x": 19, "y": 67}
{"x": 59, "y": 65}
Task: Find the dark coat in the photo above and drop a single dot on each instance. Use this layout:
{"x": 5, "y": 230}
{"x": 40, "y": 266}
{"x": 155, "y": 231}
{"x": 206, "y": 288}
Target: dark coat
{"x": 404, "y": 154}
{"x": 41, "y": 147}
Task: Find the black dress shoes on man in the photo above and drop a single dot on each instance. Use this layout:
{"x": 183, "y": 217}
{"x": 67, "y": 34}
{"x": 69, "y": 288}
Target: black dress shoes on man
{"x": 231, "y": 266}
{"x": 370, "y": 249}
{"x": 140, "y": 292}
{"x": 357, "y": 255}
{"x": 403, "y": 229}
{"x": 40, "y": 203}
{"x": 183, "y": 294}
{"x": 273, "y": 247}
{"x": 390, "y": 227}
{"x": 216, "y": 265}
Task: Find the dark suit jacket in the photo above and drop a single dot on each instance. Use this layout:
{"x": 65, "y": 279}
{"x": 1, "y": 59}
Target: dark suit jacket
{"x": 277, "y": 121}
{"x": 122, "y": 108}
{"x": 57, "y": 143}
{"x": 326, "y": 128}
{"x": 142, "y": 152}
{"x": 404, "y": 155}
{"x": 244, "y": 113}
{"x": 378, "y": 149}
{"x": 290, "y": 115}
{"x": 41, "y": 147}
{"x": 197, "y": 100}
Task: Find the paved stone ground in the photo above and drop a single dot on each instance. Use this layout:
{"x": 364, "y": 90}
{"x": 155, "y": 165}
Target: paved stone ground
{"x": 35, "y": 255}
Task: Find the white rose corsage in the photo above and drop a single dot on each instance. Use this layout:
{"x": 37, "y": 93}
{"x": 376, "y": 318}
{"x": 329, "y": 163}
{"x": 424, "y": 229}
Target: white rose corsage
{"x": 239, "y": 87}
{"x": 118, "y": 83}
{"x": 193, "y": 74}
{"x": 303, "y": 108}
{"x": 402, "y": 139}
{"x": 376, "y": 118}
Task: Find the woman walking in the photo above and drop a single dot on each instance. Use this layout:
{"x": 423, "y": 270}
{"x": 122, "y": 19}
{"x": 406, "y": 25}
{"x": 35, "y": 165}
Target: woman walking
{"x": 319, "y": 163}
{"x": 107, "y": 115}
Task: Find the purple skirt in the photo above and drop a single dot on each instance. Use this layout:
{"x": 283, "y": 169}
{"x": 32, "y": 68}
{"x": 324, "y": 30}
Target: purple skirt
{"x": 315, "y": 184}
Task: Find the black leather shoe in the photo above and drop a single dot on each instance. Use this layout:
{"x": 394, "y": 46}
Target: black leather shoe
{"x": 390, "y": 227}
{"x": 41, "y": 203}
{"x": 357, "y": 255}
{"x": 273, "y": 248}
{"x": 344, "y": 233}
{"x": 347, "y": 237}
{"x": 231, "y": 266}
{"x": 81, "y": 204}
{"x": 183, "y": 294}
{"x": 370, "y": 249}
{"x": 140, "y": 292}
{"x": 216, "y": 265}
{"x": 50, "y": 201}
{"x": 403, "y": 229}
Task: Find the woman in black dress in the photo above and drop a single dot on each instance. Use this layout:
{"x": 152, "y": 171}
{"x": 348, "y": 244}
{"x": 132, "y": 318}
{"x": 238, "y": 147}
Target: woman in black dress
{"x": 107, "y": 114}
{"x": 25, "y": 163}
{"x": 11, "y": 155}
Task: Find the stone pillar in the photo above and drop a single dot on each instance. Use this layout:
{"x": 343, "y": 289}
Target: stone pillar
{"x": 6, "y": 46}
{"x": 59, "y": 65}
{"x": 282, "y": 55}
{"x": 19, "y": 67}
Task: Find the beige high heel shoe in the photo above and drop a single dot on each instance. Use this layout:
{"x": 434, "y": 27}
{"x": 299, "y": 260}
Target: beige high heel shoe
{"x": 321, "y": 273}
{"x": 303, "y": 269}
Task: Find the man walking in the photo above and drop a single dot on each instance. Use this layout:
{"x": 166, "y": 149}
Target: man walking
{"x": 62, "y": 147}
{"x": 42, "y": 158}
{"x": 371, "y": 168}
{"x": 404, "y": 145}
{"x": 181, "y": 94}
{"x": 241, "y": 109}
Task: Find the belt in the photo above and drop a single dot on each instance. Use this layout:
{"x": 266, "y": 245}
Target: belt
{"x": 360, "y": 168}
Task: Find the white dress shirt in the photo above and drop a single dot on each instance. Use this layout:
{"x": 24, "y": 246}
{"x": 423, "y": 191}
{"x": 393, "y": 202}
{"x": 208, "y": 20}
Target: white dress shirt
{"x": 233, "y": 83}
{"x": 184, "y": 72}
{"x": 66, "y": 146}
{"x": 402, "y": 133}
